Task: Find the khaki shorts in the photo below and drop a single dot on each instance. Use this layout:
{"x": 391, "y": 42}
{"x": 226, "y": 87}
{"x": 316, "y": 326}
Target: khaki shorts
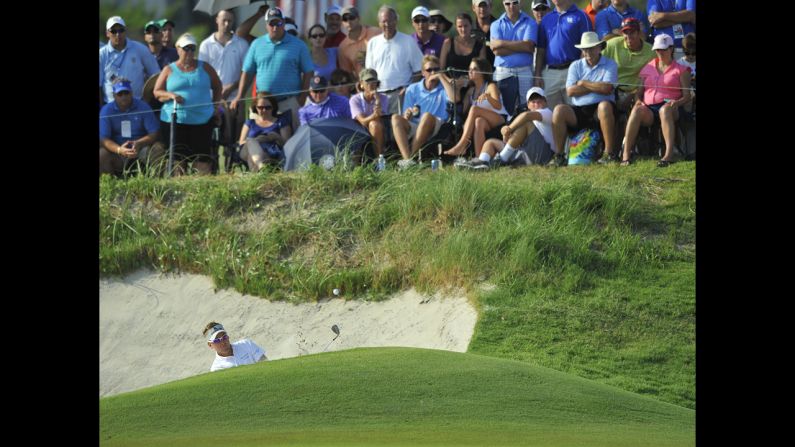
{"x": 414, "y": 126}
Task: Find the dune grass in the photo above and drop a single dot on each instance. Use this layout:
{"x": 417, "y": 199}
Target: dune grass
{"x": 587, "y": 270}
{"x": 391, "y": 396}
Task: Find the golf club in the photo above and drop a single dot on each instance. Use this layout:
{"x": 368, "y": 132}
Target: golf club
{"x": 336, "y": 330}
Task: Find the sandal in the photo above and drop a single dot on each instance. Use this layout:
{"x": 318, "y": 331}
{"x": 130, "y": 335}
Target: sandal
{"x": 664, "y": 163}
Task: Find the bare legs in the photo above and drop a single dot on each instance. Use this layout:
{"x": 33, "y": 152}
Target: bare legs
{"x": 401, "y": 128}
{"x": 479, "y": 121}
{"x": 376, "y": 129}
{"x": 639, "y": 116}
{"x": 668, "y": 117}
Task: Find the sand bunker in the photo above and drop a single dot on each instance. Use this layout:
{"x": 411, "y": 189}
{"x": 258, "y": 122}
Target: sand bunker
{"x": 150, "y": 326}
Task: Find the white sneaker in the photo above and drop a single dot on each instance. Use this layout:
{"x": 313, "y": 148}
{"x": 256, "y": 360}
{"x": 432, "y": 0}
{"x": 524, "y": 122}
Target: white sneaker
{"x": 405, "y": 164}
{"x": 478, "y": 164}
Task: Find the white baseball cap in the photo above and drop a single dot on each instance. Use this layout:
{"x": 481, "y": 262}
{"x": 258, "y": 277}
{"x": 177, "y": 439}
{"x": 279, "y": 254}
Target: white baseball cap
{"x": 185, "y": 40}
{"x": 214, "y": 331}
{"x": 537, "y": 91}
{"x": 662, "y": 42}
{"x": 420, "y": 11}
{"x": 334, "y": 9}
{"x": 115, "y": 20}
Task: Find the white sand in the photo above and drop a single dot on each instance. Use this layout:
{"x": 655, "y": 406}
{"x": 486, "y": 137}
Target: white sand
{"x": 151, "y": 326}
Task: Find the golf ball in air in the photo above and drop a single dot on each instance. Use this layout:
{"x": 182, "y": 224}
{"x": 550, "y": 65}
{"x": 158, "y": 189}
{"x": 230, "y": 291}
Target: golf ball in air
{"x": 336, "y": 292}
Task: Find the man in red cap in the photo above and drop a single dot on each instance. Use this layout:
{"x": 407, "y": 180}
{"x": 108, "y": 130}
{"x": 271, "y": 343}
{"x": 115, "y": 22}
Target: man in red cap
{"x": 630, "y": 53}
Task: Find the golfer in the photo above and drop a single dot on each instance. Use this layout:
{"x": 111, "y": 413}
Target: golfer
{"x": 227, "y": 354}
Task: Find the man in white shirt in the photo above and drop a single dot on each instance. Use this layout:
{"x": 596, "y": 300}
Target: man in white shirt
{"x": 395, "y": 57}
{"x": 229, "y": 355}
{"x": 225, "y": 52}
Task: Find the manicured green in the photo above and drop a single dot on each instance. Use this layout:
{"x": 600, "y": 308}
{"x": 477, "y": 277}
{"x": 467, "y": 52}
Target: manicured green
{"x": 391, "y": 396}
{"x": 586, "y": 270}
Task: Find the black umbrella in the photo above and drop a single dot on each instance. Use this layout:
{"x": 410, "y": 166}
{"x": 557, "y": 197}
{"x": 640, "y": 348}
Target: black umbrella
{"x": 326, "y": 136}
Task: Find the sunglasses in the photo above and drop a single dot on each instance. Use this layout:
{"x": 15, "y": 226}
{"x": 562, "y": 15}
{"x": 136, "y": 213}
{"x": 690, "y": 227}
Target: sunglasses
{"x": 317, "y": 36}
{"x": 420, "y": 20}
{"x": 152, "y": 30}
{"x": 432, "y": 69}
{"x": 276, "y": 23}
{"x": 219, "y": 340}
{"x": 190, "y": 48}
{"x": 118, "y": 30}
{"x": 264, "y": 107}
{"x": 348, "y": 18}
{"x": 123, "y": 93}
{"x": 511, "y": 3}
{"x": 540, "y": 8}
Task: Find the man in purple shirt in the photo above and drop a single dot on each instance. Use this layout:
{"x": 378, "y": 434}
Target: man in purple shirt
{"x": 430, "y": 42}
{"x": 323, "y": 104}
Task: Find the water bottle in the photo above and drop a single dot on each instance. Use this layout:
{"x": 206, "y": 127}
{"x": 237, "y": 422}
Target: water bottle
{"x": 381, "y": 163}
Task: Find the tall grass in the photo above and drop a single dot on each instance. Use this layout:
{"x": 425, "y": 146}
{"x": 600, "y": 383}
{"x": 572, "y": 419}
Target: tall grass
{"x": 593, "y": 267}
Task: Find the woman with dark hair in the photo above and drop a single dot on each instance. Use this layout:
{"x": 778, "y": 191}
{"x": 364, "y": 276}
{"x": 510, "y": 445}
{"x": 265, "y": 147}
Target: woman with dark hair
{"x": 342, "y": 83}
{"x": 486, "y": 109}
{"x": 458, "y": 51}
{"x": 325, "y": 59}
{"x": 262, "y": 138}
{"x": 666, "y": 88}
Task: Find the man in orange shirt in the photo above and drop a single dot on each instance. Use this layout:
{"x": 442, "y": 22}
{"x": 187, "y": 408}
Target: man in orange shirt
{"x": 593, "y": 8}
{"x": 352, "y": 50}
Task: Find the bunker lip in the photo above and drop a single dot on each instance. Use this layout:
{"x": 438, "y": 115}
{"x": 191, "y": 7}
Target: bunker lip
{"x": 150, "y": 326}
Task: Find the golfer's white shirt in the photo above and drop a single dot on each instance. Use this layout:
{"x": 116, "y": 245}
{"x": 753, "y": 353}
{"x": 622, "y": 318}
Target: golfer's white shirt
{"x": 244, "y": 352}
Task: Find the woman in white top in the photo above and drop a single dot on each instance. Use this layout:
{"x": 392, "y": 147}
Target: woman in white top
{"x": 486, "y": 110}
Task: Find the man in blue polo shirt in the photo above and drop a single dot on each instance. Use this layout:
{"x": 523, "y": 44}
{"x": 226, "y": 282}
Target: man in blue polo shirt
{"x": 558, "y": 33}
{"x": 513, "y": 39}
{"x": 608, "y": 20}
{"x": 124, "y": 58}
{"x": 431, "y": 97}
{"x": 127, "y": 131}
{"x": 589, "y": 84}
{"x": 673, "y": 17}
{"x": 282, "y": 64}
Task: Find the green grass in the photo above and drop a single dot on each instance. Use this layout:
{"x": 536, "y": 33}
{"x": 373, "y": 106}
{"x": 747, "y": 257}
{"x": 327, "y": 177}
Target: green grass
{"x": 591, "y": 270}
{"x": 391, "y": 396}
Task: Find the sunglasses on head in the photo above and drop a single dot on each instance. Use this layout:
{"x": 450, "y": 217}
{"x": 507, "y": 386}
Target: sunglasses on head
{"x": 420, "y": 20}
{"x": 317, "y": 36}
{"x": 118, "y": 30}
{"x": 348, "y": 18}
{"x": 219, "y": 340}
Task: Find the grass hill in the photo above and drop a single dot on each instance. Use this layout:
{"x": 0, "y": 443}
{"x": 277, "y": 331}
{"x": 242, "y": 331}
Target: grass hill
{"x": 584, "y": 270}
{"x": 391, "y": 396}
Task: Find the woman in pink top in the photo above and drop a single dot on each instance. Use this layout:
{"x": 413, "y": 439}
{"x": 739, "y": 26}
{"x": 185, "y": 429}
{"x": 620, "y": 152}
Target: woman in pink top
{"x": 666, "y": 87}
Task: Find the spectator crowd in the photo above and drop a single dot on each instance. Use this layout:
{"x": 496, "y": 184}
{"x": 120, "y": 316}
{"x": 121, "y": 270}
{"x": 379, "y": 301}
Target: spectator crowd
{"x": 507, "y": 90}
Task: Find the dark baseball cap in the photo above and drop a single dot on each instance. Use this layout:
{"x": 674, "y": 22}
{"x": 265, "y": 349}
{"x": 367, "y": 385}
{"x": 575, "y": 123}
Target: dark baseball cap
{"x": 273, "y": 13}
{"x": 318, "y": 83}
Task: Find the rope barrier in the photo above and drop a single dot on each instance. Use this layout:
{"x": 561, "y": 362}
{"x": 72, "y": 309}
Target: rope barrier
{"x": 297, "y": 92}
